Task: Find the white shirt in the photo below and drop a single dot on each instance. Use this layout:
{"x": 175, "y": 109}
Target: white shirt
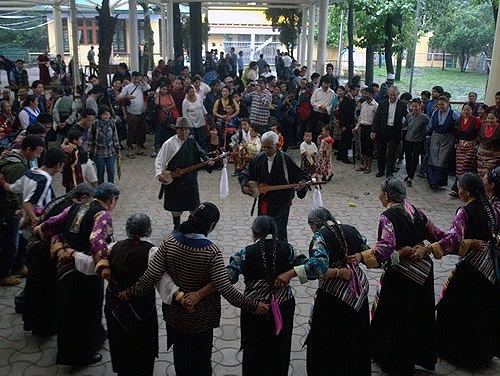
{"x": 251, "y": 75}
{"x": 204, "y": 90}
{"x": 166, "y": 153}
{"x": 367, "y": 112}
{"x": 137, "y": 104}
{"x": 270, "y": 161}
{"x": 392, "y": 113}
{"x": 322, "y": 98}
{"x": 308, "y": 149}
{"x": 27, "y": 187}
{"x": 194, "y": 111}
{"x": 24, "y": 118}
{"x": 287, "y": 60}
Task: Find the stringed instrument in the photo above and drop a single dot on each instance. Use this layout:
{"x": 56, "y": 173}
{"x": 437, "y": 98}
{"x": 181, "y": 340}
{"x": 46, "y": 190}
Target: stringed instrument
{"x": 169, "y": 176}
{"x": 262, "y": 188}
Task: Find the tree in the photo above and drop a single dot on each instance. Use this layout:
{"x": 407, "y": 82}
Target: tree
{"x": 107, "y": 27}
{"x": 461, "y": 34}
{"x": 14, "y": 34}
{"x": 350, "y": 38}
{"x": 288, "y": 22}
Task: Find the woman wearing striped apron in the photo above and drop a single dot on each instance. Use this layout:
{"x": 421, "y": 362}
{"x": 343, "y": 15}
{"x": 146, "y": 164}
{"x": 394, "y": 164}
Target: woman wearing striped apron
{"x": 467, "y": 312}
{"x": 488, "y": 154}
{"x": 467, "y": 132}
{"x": 402, "y": 327}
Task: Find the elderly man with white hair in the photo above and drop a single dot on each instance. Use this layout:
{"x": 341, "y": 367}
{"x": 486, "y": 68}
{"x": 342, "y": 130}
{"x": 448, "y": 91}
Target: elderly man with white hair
{"x": 274, "y": 167}
{"x": 386, "y": 131}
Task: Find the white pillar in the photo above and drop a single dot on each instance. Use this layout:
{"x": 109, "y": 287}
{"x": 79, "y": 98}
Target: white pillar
{"x": 252, "y": 46}
{"x": 494, "y": 77}
{"x": 310, "y": 38}
{"x": 163, "y": 43}
{"x": 74, "y": 47}
{"x": 303, "y": 36}
{"x": 322, "y": 33}
{"x": 58, "y": 29}
{"x": 133, "y": 35}
{"x": 170, "y": 30}
{"x": 339, "y": 55}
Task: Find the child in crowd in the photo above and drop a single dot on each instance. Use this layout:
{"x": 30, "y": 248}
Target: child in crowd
{"x": 324, "y": 162}
{"x": 231, "y": 127}
{"x": 245, "y": 144}
{"x": 276, "y": 129}
{"x": 308, "y": 154}
{"x": 72, "y": 170}
{"x": 214, "y": 145}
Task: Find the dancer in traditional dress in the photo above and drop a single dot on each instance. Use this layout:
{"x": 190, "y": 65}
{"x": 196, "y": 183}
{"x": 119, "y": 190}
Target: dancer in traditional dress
{"x": 488, "y": 154}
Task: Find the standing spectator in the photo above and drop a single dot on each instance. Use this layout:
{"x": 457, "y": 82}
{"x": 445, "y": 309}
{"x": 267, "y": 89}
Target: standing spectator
{"x": 304, "y": 111}
{"x": 166, "y": 115}
{"x": 431, "y": 105}
{"x": 211, "y": 98}
{"x": 415, "y": 129}
{"x": 279, "y": 64}
{"x": 118, "y": 113}
{"x": 425, "y": 97}
{"x": 7, "y": 119}
{"x": 30, "y": 111}
{"x": 488, "y": 155}
{"x": 8, "y": 66}
{"x": 386, "y": 131}
{"x": 93, "y": 96}
{"x": 259, "y": 107}
{"x": 347, "y": 122}
{"x": 43, "y": 67}
{"x": 20, "y": 75}
{"x": 178, "y": 64}
{"x": 17, "y": 104}
{"x": 194, "y": 111}
{"x": 178, "y": 94}
{"x": 252, "y": 72}
{"x": 103, "y": 145}
{"x": 324, "y": 162}
{"x": 334, "y": 81}
{"x": 200, "y": 88}
{"x": 442, "y": 125}
{"x": 122, "y": 73}
{"x": 321, "y": 102}
{"x": 472, "y": 96}
{"x": 287, "y": 118}
{"x": 241, "y": 64}
{"x": 64, "y": 113}
{"x": 365, "y": 120}
{"x": 91, "y": 59}
{"x": 495, "y": 107}
{"x": 38, "y": 90}
{"x": 233, "y": 58}
{"x": 261, "y": 63}
{"x": 12, "y": 168}
{"x": 134, "y": 95}
{"x": 224, "y": 68}
{"x": 72, "y": 170}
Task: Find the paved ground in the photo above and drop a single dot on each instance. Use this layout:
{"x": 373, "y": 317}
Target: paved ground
{"x": 23, "y": 354}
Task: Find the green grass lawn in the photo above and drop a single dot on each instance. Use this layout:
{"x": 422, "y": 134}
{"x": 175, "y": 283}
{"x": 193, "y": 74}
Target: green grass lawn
{"x": 459, "y": 84}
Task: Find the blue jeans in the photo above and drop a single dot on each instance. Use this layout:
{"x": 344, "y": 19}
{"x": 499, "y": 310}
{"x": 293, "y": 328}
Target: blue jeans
{"x": 9, "y": 241}
{"x": 109, "y": 164}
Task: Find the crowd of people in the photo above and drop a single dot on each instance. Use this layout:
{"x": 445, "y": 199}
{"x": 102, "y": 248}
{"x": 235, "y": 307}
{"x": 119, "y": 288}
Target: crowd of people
{"x": 64, "y": 245}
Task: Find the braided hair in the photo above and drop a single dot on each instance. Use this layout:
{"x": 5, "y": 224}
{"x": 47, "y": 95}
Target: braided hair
{"x": 263, "y": 226}
{"x": 201, "y": 219}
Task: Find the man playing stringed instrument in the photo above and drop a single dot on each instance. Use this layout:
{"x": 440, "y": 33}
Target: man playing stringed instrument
{"x": 274, "y": 167}
{"x": 180, "y": 191}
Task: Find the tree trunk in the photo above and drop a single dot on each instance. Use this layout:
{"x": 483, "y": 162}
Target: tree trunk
{"x": 409, "y": 57}
{"x": 399, "y": 66}
{"x": 369, "y": 65}
{"x": 147, "y": 59}
{"x": 107, "y": 26}
{"x": 388, "y": 44}
{"x": 379, "y": 58}
{"x": 178, "y": 48}
{"x": 495, "y": 10}
{"x": 350, "y": 39}
{"x": 444, "y": 60}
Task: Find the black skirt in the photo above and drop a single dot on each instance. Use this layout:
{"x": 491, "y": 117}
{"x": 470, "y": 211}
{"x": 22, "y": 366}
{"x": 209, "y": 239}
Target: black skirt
{"x": 338, "y": 342}
{"x": 264, "y": 352}
{"x": 467, "y": 319}
{"x": 40, "y": 290}
{"x": 403, "y": 325}
{"x": 134, "y": 353}
{"x": 79, "y": 313}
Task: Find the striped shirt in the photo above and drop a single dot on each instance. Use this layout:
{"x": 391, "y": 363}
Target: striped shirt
{"x": 259, "y": 109}
{"x": 192, "y": 261}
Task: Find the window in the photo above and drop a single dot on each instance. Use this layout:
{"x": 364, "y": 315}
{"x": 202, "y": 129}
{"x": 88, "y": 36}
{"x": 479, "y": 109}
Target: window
{"x": 119, "y": 39}
{"x": 88, "y": 23}
{"x": 142, "y": 31}
{"x": 90, "y": 38}
{"x": 80, "y": 37}
{"x": 65, "y": 40}
{"x": 434, "y": 54}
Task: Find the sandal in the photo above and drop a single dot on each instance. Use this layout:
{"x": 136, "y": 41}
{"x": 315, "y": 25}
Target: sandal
{"x": 367, "y": 171}
{"x": 360, "y": 169}
{"x": 131, "y": 156}
{"x": 139, "y": 153}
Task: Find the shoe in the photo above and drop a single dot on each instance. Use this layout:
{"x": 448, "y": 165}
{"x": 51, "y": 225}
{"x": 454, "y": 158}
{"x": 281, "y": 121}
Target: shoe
{"x": 96, "y": 358}
{"x": 406, "y": 179}
{"x": 236, "y": 173}
{"x": 388, "y": 176}
{"x": 10, "y": 281}
{"x": 433, "y": 187}
{"x": 21, "y": 273}
{"x": 347, "y": 161}
{"x": 453, "y": 194}
{"x": 367, "y": 171}
{"x": 379, "y": 174}
{"x": 360, "y": 169}
{"x": 153, "y": 154}
{"x": 421, "y": 175}
{"x": 409, "y": 183}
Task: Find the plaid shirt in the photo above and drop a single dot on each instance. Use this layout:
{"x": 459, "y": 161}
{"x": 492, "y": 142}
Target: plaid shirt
{"x": 102, "y": 139}
{"x": 20, "y": 77}
{"x": 259, "y": 109}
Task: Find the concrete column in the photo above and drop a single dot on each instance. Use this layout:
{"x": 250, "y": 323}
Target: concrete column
{"x": 322, "y": 33}
{"x": 134, "y": 35}
{"x": 252, "y": 46}
{"x": 310, "y": 38}
{"x": 303, "y": 36}
{"x": 170, "y": 30}
{"x": 494, "y": 77}
{"x": 58, "y": 29}
{"x": 74, "y": 39}
{"x": 163, "y": 35}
